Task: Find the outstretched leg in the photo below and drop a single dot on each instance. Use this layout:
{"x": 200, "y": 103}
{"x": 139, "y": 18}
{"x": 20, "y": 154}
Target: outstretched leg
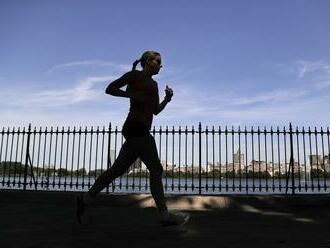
{"x": 125, "y": 159}
{"x": 148, "y": 154}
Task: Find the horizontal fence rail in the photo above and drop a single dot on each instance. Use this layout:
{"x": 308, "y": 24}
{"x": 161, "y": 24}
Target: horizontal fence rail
{"x": 196, "y": 160}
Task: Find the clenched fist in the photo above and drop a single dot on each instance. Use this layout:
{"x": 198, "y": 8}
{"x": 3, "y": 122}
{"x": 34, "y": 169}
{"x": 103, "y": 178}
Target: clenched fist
{"x": 169, "y": 93}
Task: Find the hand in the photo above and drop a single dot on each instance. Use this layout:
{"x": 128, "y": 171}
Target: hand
{"x": 169, "y": 93}
{"x": 138, "y": 96}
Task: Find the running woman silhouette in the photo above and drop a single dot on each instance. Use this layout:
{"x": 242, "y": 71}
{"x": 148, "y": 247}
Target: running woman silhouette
{"x": 142, "y": 91}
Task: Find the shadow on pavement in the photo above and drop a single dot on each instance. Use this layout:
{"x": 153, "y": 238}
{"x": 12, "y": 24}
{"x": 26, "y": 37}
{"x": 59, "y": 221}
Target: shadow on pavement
{"x": 47, "y": 219}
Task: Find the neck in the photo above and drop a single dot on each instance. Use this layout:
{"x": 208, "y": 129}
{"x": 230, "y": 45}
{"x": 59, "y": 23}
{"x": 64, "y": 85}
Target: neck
{"x": 147, "y": 72}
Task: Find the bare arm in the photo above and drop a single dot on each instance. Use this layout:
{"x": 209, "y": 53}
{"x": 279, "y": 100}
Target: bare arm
{"x": 161, "y": 106}
{"x": 167, "y": 99}
{"x": 114, "y": 87}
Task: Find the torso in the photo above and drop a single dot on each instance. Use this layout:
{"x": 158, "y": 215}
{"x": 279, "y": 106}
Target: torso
{"x": 140, "y": 116}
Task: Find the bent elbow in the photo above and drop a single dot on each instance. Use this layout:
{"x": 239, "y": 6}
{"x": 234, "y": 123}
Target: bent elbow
{"x": 156, "y": 112}
{"x": 109, "y": 91}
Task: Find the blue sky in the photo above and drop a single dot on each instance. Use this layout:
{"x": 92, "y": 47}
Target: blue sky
{"x": 260, "y": 63}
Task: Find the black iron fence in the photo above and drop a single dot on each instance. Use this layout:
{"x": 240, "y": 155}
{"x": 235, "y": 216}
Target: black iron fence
{"x": 196, "y": 160}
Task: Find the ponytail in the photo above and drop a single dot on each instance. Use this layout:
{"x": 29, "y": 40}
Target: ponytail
{"x": 136, "y": 62}
{"x": 145, "y": 56}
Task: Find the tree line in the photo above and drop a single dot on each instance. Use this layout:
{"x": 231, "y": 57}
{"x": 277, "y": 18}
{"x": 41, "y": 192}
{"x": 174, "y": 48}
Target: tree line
{"x": 18, "y": 169}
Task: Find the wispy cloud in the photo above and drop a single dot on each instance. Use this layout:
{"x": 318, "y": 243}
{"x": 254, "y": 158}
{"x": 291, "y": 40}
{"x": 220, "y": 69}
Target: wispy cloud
{"x": 307, "y": 67}
{"x": 121, "y": 67}
{"x": 266, "y": 97}
{"x": 315, "y": 73}
{"x": 61, "y": 107}
{"x": 84, "y": 90}
{"x": 304, "y": 105}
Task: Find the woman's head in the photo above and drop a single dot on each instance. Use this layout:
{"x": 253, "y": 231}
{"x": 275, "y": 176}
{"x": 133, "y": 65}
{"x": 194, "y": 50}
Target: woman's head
{"x": 149, "y": 60}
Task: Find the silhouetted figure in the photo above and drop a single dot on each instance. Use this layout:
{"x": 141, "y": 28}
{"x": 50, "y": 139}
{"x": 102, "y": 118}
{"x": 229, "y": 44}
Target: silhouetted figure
{"x": 144, "y": 103}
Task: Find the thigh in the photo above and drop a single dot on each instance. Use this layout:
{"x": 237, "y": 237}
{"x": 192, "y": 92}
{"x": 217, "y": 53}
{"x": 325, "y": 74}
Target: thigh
{"x": 126, "y": 157}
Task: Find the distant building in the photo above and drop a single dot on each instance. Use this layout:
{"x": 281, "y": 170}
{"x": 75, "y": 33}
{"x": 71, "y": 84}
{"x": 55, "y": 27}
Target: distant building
{"x": 315, "y": 159}
{"x": 238, "y": 161}
{"x": 317, "y": 162}
{"x": 327, "y": 163}
{"x": 238, "y": 157}
{"x": 259, "y": 166}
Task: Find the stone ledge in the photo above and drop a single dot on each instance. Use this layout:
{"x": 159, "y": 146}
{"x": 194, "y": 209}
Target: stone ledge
{"x": 187, "y": 202}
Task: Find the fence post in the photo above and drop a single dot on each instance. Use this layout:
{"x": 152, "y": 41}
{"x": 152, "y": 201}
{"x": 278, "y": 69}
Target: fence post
{"x": 200, "y": 157}
{"x": 292, "y": 160}
{"x": 109, "y": 152}
{"x": 27, "y": 156}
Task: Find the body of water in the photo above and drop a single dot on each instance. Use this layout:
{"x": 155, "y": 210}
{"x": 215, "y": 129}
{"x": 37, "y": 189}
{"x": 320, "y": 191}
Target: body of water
{"x": 176, "y": 185}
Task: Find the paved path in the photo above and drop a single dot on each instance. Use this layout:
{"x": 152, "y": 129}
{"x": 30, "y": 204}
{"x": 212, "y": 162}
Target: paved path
{"x": 47, "y": 219}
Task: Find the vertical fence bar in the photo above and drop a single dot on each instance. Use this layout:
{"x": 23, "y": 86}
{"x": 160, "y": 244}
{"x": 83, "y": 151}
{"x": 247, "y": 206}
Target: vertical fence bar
{"x": 266, "y": 158}
{"x": 206, "y": 158}
{"x": 232, "y": 152}
{"x": 186, "y": 159}
{"x": 179, "y": 185}
{"x": 6, "y": 153}
{"x": 2, "y": 135}
{"x": 292, "y": 160}
{"x": 239, "y": 159}
{"x": 48, "y": 166}
{"x": 259, "y": 160}
{"x": 323, "y": 164}
{"x": 90, "y": 156}
{"x": 17, "y": 145}
{"x": 27, "y": 156}
{"x": 246, "y": 162}
{"x": 305, "y": 162}
{"x": 62, "y": 172}
{"x": 213, "y": 159}
{"x": 10, "y": 157}
{"x": 166, "y": 155}
{"x": 310, "y": 157}
{"x": 220, "y": 165}
{"x": 192, "y": 158}
{"x": 83, "y": 169}
{"x": 160, "y": 144}
{"x": 72, "y": 156}
{"x": 328, "y": 164}
{"x": 78, "y": 159}
{"x": 109, "y": 152}
{"x": 173, "y": 143}
{"x": 200, "y": 156}
{"x": 102, "y": 149}
{"x": 279, "y": 158}
{"x": 317, "y": 161}
{"x": 285, "y": 162}
{"x": 96, "y": 152}
{"x": 33, "y": 151}
{"x": 253, "y": 161}
{"x": 67, "y": 157}
{"x": 298, "y": 158}
{"x": 55, "y": 155}
{"x": 273, "y": 164}
{"x": 226, "y": 144}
